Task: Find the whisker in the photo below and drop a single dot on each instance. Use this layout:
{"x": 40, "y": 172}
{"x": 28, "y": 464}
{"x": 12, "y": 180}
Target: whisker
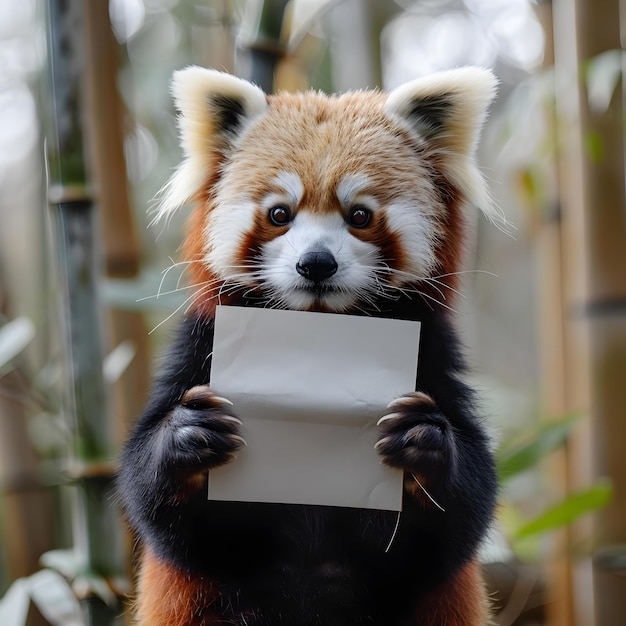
{"x": 393, "y": 534}
{"x": 172, "y": 291}
{"x": 459, "y": 273}
{"x": 452, "y": 289}
{"x": 445, "y": 306}
{"x": 416, "y": 278}
{"x": 433, "y": 281}
{"x": 193, "y": 297}
{"x": 166, "y": 271}
{"x": 427, "y": 494}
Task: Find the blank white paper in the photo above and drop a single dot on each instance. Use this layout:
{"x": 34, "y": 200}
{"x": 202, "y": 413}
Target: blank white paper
{"x": 309, "y": 388}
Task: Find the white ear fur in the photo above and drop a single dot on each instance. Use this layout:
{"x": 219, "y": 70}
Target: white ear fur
{"x": 446, "y": 111}
{"x": 214, "y": 108}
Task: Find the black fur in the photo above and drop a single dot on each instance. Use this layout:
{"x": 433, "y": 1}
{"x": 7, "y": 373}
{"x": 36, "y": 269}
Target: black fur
{"x": 228, "y": 111}
{"x": 430, "y": 114}
{"x": 308, "y": 565}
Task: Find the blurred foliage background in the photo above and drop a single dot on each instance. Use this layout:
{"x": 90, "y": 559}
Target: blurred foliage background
{"x": 542, "y": 313}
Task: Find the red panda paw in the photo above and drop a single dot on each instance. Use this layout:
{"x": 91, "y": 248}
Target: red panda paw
{"x": 416, "y": 437}
{"x": 201, "y": 432}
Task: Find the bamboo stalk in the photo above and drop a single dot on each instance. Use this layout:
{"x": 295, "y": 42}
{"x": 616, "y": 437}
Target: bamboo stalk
{"x": 120, "y": 247}
{"x": 266, "y": 46}
{"x": 213, "y": 35}
{"x": 553, "y": 280}
{"x": 578, "y": 204}
{"x": 355, "y": 45}
{"x": 598, "y": 30}
{"x": 27, "y": 504}
{"x": 595, "y": 190}
{"x": 96, "y": 527}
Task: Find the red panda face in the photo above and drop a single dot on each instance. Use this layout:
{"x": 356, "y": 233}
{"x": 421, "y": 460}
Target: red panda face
{"x": 329, "y": 203}
{"x": 326, "y": 209}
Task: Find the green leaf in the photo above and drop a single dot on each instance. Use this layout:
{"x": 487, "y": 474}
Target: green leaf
{"x": 14, "y": 337}
{"x": 66, "y": 562}
{"x": 594, "y": 146}
{"x": 49, "y": 591}
{"x": 573, "y": 507}
{"x": 54, "y": 598}
{"x": 118, "y": 360}
{"x": 515, "y": 458}
{"x": 91, "y": 583}
{"x": 602, "y": 74}
{"x": 14, "y": 605}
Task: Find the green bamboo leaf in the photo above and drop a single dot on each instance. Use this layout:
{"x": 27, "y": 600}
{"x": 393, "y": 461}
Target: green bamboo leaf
{"x": 564, "y": 513}
{"x": 14, "y": 337}
{"x": 594, "y": 146}
{"x": 66, "y": 562}
{"x": 92, "y": 584}
{"x": 515, "y": 458}
{"x": 14, "y": 605}
{"x": 53, "y": 596}
{"x": 602, "y": 74}
{"x": 49, "y": 591}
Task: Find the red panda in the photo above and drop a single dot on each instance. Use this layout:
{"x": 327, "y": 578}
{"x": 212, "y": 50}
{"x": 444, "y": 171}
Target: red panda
{"x": 353, "y": 204}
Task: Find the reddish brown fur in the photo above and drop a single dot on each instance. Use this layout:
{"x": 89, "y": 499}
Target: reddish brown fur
{"x": 168, "y": 596}
{"x": 461, "y": 601}
{"x": 321, "y": 140}
{"x": 171, "y": 597}
{"x": 193, "y": 249}
{"x": 355, "y": 136}
{"x": 451, "y": 251}
{"x": 310, "y": 133}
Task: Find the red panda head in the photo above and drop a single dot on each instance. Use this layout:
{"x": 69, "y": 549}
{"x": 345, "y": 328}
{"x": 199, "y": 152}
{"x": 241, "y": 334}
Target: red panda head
{"x": 331, "y": 203}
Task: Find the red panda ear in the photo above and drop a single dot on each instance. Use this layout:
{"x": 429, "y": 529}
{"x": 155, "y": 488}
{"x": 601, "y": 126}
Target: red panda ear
{"x": 445, "y": 112}
{"x": 214, "y": 108}
{"x": 446, "y": 109}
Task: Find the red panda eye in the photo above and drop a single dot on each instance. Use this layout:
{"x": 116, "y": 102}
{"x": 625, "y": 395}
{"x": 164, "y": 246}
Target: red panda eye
{"x": 359, "y": 217}
{"x": 280, "y": 215}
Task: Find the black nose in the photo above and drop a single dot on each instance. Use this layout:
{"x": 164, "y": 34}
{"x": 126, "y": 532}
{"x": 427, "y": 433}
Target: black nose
{"x": 317, "y": 265}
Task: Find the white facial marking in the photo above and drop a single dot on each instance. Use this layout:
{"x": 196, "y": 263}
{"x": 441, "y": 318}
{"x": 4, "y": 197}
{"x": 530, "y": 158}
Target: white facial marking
{"x": 351, "y": 187}
{"x": 363, "y": 275}
{"x": 416, "y": 229}
{"x": 310, "y": 232}
{"x": 224, "y": 232}
{"x": 292, "y": 185}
